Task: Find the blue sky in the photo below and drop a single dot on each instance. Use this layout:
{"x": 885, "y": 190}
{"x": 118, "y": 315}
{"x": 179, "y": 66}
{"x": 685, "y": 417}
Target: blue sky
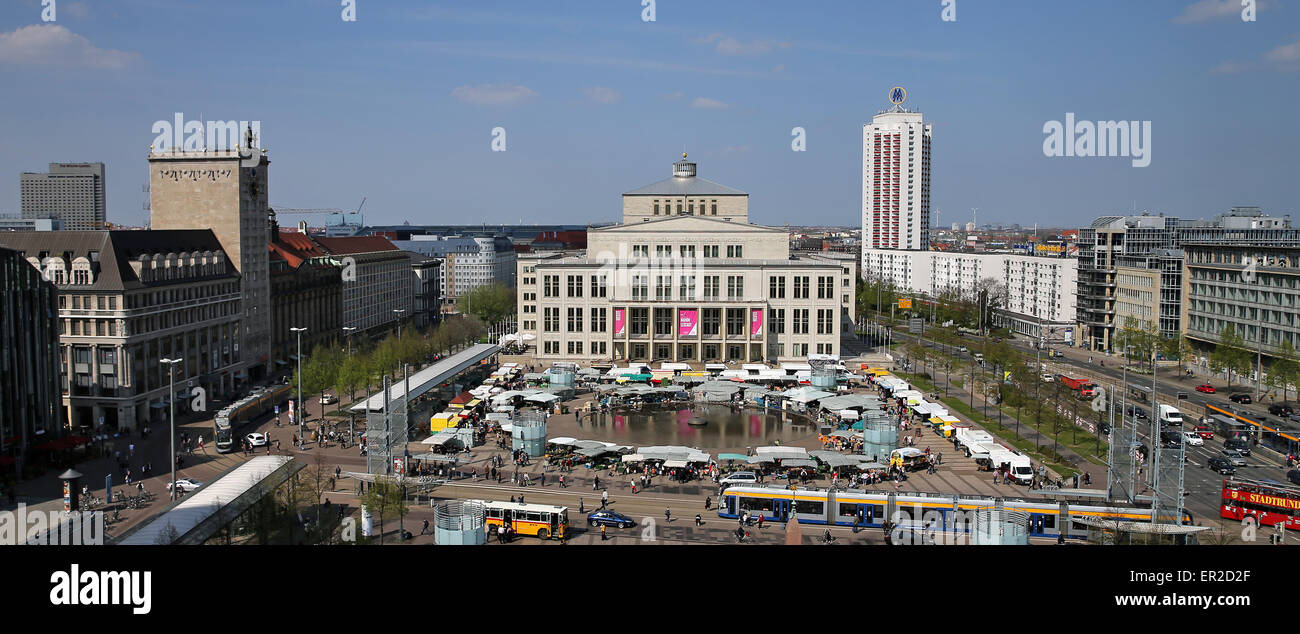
{"x": 399, "y": 105}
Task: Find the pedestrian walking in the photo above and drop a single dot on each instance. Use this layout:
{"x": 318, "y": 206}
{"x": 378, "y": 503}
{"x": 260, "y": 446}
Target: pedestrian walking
{"x": 699, "y": 521}
{"x": 425, "y": 529}
{"x": 604, "y": 499}
{"x": 602, "y": 532}
{"x": 543, "y": 478}
{"x": 668, "y": 515}
{"x": 760, "y": 521}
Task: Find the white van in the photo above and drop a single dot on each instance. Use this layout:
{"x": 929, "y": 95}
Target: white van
{"x": 1169, "y": 416}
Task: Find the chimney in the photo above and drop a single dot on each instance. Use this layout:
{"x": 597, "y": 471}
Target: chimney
{"x": 302, "y": 227}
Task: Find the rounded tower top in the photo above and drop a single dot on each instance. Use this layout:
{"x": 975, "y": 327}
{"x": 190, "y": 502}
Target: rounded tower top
{"x": 684, "y": 168}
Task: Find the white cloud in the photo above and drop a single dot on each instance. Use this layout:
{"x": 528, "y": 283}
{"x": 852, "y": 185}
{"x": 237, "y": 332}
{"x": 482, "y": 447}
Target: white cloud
{"x": 1285, "y": 58}
{"x": 602, "y": 94}
{"x": 675, "y": 95}
{"x": 705, "y": 102}
{"x": 493, "y": 94}
{"x": 728, "y": 45}
{"x": 1230, "y": 68}
{"x": 54, "y": 45}
{"x": 1209, "y": 10}
{"x": 1286, "y": 54}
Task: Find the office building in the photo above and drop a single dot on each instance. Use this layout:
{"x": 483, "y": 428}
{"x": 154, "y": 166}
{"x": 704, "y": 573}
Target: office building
{"x": 30, "y": 369}
{"x": 1243, "y": 271}
{"x": 227, "y": 193}
{"x": 468, "y": 262}
{"x": 685, "y": 284}
{"x": 13, "y": 223}
{"x": 127, "y": 299}
{"x": 426, "y": 280}
{"x": 70, "y": 192}
{"x": 307, "y": 292}
{"x": 377, "y": 287}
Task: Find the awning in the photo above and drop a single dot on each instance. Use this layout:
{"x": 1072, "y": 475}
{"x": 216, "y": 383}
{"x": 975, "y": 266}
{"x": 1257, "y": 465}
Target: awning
{"x": 848, "y": 414}
{"x": 759, "y": 459}
{"x": 732, "y": 456}
{"x": 633, "y": 457}
{"x": 541, "y": 397}
{"x": 675, "y": 463}
{"x": 800, "y": 462}
{"x": 563, "y": 440}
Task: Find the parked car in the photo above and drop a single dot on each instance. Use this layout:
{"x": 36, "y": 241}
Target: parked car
{"x": 328, "y": 399}
{"x": 1206, "y": 388}
{"x": 1233, "y": 457}
{"x": 1171, "y": 439}
{"x": 610, "y": 518}
{"x": 1193, "y": 439}
{"x": 1204, "y": 432}
{"x": 1278, "y": 409}
{"x": 1103, "y": 427}
{"x": 256, "y": 439}
{"x": 739, "y": 477}
{"x": 1221, "y": 465}
{"x": 185, "y": 484}
{"x": 1243, "y": 399}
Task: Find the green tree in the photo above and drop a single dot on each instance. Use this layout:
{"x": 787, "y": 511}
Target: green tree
{"x": 1230, "y": 354}
{"x": 1284, "y": 371}
{"x": 386, "y": 499}
{"x": 351, "y": 375}
{"x": 491, "y": 303}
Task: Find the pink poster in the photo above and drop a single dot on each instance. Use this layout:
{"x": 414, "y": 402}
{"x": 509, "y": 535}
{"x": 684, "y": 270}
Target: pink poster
{"x": 688, "y": 323}
{"x": 756, "y": 322}
{"x": 619, "y": 322}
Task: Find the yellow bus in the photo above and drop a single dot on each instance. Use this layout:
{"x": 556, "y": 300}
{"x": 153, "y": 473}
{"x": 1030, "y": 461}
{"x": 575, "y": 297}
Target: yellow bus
{"x": 542, "y": 520}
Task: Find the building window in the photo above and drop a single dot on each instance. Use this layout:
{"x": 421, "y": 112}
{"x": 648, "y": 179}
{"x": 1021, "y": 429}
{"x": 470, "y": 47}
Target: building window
{"x": 664, "y": 322}
{"x": 776, "y": 322}
{"x": 551, "y": 286}
{"x": 599, "y": 285}
{"x": 687, "y": 250}
{"x": 776, "y": 288}
{"x": 640, "y": 287}
{"x": 735, "y": 287}
{"x": 714, "y": 210}
{"x": 825, "y": 325}
{"x": 825, "y": 287}
{"x": 710, "y": 250}
{"x": 712, "y": 321}
{"x": 598, "y": 320}
{"x": 640, "y": 321}
{"x": 575, "y": 286}
{"x": 735, "y": 251}
{"x": 663, "y": 287}
{"x": 686, "y": 288}
{"x": 801, "y": 286}
{"x": 550, "y": 319}
{"x": 800, "y": 321}
{"x": 735, "y": 322}
{"x": 712, "y": 284}
{"x": 575, "y": 320}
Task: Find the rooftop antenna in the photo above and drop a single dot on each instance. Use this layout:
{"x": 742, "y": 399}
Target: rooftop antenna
{"x": 973, "y": 218}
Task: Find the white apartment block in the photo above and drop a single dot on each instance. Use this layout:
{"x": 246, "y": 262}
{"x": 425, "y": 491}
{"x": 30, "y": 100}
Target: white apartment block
{"x": 896, "y": 181}
{"x": 1041, "y": 291}
{"x": 685, "y": 285}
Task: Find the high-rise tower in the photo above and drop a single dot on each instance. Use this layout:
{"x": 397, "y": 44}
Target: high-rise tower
{"x": 896, "y": 179}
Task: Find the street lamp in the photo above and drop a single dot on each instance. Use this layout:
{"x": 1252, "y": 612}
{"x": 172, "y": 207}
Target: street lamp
{"x": 348, "y": 330}
{"x": 171, "y": 387}
{"x": 398, "y": 312}
{"x": 301, "y": 407}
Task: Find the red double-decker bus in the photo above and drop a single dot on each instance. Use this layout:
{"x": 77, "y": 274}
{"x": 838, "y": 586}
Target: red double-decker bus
{"x": 1269, "y": 503}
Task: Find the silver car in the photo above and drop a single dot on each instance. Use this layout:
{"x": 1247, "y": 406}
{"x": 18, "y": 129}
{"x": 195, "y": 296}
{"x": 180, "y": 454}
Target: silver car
{"x": 1233, "y": 456}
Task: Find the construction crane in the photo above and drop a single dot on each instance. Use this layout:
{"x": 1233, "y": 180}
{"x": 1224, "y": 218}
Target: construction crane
{"x": 289, "y": 210}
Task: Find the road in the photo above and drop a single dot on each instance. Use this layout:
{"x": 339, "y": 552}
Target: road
{"x": 1202, "y": 486}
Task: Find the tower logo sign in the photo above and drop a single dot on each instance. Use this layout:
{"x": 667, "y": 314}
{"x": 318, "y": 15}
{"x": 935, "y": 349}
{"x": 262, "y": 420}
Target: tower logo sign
{"x": 897, "y": 95}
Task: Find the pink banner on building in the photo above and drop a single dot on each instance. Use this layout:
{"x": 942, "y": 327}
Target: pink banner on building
{"x": 619, "y": 322}
{"x": 756, "y": 322}
{"x": 688, "y": 323}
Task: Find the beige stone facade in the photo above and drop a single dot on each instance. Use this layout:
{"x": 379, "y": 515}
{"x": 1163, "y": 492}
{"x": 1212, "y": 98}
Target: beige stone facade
{"x": 212, "y": 190}
{"x": 685, "y": 288}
